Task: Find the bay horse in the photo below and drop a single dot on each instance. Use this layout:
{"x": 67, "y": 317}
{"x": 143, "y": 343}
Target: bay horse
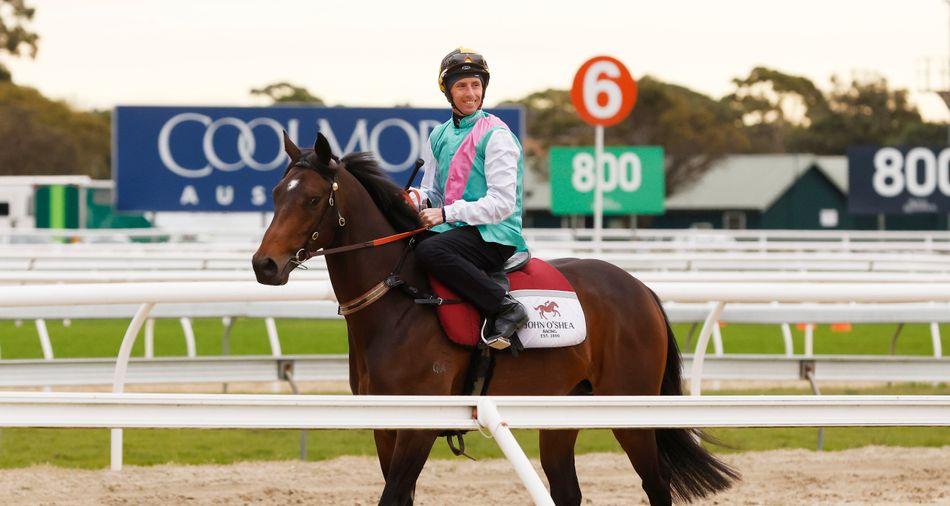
{"x": 398, "y": 347}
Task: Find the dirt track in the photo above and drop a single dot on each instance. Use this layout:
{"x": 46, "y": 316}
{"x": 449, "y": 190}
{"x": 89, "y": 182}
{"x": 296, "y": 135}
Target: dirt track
{"x": 873, "y": 475}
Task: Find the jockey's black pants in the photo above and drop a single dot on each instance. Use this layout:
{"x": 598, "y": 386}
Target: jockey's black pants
{"x": 460, "y": 258}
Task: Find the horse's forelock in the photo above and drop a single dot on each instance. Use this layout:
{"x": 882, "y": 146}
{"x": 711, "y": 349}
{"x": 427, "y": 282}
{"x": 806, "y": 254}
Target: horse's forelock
{"x": 308, "y": 160}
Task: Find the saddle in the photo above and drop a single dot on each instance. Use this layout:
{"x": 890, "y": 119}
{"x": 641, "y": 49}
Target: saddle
{"x": 526, "y": 279}
{"x": 537, "y": 285}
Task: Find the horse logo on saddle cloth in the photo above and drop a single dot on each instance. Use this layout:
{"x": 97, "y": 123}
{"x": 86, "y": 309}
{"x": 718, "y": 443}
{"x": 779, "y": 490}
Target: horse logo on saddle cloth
{"x": 555, "y": 317}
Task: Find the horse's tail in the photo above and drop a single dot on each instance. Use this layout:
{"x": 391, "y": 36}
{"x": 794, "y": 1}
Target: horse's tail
{"x": 693, "y": 471}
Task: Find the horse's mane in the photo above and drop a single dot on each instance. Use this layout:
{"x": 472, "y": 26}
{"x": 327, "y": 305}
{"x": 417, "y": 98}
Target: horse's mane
{"x": 387, "y": 195}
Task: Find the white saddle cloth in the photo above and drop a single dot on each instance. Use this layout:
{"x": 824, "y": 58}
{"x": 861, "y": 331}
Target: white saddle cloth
{"x": 555, "y": 319}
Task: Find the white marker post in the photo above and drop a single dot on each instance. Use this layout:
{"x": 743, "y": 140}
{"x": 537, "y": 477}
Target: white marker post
{"x": 603, "y": 93}
{"x": 598, "y": 186}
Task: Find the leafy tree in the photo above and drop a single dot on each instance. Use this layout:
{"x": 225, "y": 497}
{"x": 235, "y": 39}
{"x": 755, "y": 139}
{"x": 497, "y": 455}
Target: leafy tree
{"x": 787, "y": 113}
{"x": 867, "y": 112}
{"x": 284, "y": 92}
{"x": 41, "y": 136}
{"x": 15, "y": 35}
{"x": 693, "y": 129}
{"x": 775, "y": 106}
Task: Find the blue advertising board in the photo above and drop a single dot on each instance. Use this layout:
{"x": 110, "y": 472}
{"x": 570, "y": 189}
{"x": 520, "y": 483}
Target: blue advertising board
{"x": 229, "y": 158}
{"x": 898, "y": 180}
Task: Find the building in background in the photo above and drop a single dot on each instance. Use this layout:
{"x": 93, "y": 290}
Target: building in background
{"x": 793, "y": 192}
{"x": 61, "y": 202}
{"x": 790, "y": 191}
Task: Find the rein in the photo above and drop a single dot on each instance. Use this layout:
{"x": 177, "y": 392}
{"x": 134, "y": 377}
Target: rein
{"x": 381, "y": 288}
{"x": 303, "y": 254}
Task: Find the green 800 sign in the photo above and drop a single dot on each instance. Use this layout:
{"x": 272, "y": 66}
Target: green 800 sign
{"x": 632, "y": 180}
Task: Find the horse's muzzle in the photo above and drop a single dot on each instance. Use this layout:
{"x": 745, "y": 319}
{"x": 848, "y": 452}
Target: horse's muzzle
{"x": 267, "y": 271}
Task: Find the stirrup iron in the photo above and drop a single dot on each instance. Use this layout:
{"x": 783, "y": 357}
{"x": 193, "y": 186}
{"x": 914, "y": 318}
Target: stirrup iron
{"x": 496, "y": 343}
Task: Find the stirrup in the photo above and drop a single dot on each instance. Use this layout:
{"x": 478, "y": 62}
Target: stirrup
{"x": 497, "y": 342}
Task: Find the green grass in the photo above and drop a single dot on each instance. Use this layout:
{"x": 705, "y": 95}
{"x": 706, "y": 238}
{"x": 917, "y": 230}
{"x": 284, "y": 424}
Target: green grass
{"x": 869, "y": 339}
{"x": 101, "y": 338}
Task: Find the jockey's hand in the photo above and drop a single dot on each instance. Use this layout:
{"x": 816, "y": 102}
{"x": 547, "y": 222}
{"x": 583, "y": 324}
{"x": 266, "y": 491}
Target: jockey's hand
{"x": 431, "y": 217}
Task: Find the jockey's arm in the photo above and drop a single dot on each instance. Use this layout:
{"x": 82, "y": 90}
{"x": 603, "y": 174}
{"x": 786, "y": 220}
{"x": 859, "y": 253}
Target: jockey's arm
{"x": 501, "y": 176}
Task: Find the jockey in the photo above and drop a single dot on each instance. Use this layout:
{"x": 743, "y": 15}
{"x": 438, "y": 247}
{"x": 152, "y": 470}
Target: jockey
{"x": 471, "y": 197}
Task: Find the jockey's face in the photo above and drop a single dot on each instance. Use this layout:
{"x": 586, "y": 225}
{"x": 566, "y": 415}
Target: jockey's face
{"x": 467, "y": 95}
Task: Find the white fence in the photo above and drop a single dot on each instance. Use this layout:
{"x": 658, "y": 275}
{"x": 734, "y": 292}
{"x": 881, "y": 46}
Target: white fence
{"x": 808, "y": 314}
{"x": 149, "y": 294}
{"x": 496, "y": 415}
{"x": 317, "y": 272}
{"x": 217, "y": 234}
{"x": 268, "y": 368}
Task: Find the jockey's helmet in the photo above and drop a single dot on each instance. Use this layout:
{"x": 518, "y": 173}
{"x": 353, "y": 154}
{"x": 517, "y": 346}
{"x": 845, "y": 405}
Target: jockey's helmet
{"x": 460, "y": 63}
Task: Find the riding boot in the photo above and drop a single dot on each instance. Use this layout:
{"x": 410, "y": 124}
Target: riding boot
{"x": 509, "y": 318}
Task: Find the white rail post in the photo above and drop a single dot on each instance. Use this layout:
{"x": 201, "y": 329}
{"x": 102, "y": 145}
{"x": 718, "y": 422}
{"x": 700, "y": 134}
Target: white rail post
{"x": 696, "y": 373}
{"x": 45, "y": 344}
{"x": 150, "y": 338}
{"x": 809, "y": 339}
{"x": 717, "y": 339}
{"x": 489, "y": 417}
{"x": 121, "y": 368}
{"x": 787, "y": 339}
{"x": 935, "y": 338}
{"x": 189, "y": 336}
{"x": 272, "y": 336}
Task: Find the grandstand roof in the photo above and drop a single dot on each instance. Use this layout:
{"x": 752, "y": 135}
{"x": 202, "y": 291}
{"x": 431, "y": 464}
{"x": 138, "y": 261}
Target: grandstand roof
{"x": 755, "y": 182}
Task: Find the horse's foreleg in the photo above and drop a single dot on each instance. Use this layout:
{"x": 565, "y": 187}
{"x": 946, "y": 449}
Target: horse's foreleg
{"x": 409, "y": 456}
{"x": 385, "y": 443}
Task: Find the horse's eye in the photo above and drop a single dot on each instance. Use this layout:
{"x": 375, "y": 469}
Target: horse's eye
{"x": 314, "y": 201}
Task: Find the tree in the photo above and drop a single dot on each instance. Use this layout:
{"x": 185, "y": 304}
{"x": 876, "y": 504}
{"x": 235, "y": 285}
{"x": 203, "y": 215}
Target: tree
{"x": 787, "y": 113}
{"x": 15, "y": 35}
{"x": 693, "y": 129}
{"x": 284, "y": 92}
{"x": 868, "y": 111}
{"x": 775, "y": 107}
{"x": 41, "y": 136}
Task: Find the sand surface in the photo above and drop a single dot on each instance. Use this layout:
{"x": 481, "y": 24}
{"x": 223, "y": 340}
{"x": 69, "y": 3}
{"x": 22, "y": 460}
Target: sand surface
{"x": 871, "y": 475}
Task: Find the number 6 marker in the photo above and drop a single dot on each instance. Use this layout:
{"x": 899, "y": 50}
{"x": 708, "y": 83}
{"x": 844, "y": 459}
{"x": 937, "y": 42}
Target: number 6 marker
{"x": 604, "y": 92}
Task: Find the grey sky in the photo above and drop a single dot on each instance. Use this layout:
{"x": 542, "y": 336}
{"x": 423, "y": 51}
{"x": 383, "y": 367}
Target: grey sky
{"x": 99, "y": 53}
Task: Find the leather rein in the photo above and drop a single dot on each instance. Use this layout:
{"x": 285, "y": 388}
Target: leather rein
{"x": 378, "y": 290}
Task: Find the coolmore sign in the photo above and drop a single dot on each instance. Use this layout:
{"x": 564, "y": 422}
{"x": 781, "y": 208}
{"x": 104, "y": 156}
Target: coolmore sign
{"x": 228, "y": 159}
{"x": 633, "y": 180}
{"x": 892, "y": 180}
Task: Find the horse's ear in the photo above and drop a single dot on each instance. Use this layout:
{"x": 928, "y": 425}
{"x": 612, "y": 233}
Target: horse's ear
{"x": 322, "y": 148}
{"x": 290, "y": 148}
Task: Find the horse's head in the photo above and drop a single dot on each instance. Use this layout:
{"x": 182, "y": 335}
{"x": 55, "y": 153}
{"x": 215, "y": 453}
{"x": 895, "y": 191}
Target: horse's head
{"x": 304, "y": 214}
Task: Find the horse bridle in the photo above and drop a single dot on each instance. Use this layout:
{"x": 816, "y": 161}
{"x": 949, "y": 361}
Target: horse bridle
{"x": 381, "y": 288}
{"x": 303, "y": 254}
